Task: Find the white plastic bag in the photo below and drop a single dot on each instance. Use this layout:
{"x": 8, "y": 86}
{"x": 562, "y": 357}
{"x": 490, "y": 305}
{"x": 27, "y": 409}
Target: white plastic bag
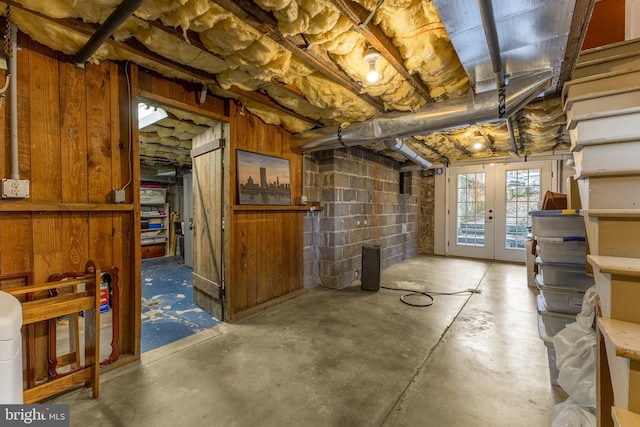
{"x": 576, "y": 361}
{"x": 570, "y": 414}
{"x": 588, "y": 312}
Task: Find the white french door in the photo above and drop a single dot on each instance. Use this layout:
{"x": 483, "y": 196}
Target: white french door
{"x": 488, "y": 208}
{"x": 471, "y": 224}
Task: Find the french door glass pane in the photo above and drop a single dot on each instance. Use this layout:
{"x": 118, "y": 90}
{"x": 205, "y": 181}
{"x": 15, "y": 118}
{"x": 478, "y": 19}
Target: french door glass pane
{"x": 471, "y": 209}
{"x": 522, "y": 196}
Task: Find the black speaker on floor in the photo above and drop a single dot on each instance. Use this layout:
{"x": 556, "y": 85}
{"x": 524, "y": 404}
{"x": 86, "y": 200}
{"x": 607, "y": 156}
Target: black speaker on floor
{"x": 370, "y": 280}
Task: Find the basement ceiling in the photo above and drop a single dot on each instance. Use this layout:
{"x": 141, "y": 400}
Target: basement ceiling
{"x": 299, "y": 63}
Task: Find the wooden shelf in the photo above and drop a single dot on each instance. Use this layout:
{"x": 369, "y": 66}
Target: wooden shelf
{"x": 277, "y": 208}
{"x": 152, "y": 248}
{"x": 611, "y": 213}
{"x": 63, "y": 207}
{"x": 624, "y": 335}
{"x": 616, "y": 265}
{"x": 624, "y": 418}
{"x": 153, "y": 243}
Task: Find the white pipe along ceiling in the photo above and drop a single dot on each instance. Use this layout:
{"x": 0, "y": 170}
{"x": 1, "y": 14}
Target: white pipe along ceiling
{"x": 300, "y": 65}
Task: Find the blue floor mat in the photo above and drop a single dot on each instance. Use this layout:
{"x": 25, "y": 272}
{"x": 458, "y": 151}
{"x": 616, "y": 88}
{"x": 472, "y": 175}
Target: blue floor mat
{"x": 168, "y": 311}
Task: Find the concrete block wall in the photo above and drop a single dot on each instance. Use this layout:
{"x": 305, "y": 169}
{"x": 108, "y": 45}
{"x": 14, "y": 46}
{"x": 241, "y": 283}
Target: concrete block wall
{"x": 361, "y": 204}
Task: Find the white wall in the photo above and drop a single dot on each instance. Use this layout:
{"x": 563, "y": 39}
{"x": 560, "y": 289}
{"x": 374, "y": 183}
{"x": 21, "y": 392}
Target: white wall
{"x": 632, "y": 19}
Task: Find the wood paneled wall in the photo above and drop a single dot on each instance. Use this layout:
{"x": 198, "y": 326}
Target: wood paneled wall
{"x": 74, "y": 148}
{"x": 265, "y": 263}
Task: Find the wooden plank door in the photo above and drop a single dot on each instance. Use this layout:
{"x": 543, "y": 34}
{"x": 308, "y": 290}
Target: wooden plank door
{"x": 207, "y": 165}
{"x": 187, "y": 218}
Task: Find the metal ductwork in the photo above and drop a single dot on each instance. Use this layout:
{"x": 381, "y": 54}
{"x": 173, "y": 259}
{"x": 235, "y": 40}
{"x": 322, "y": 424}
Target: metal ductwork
{"x": 452, "y": 113}
{"x": 399, "y": 146}
{"x": 489, "y": 25}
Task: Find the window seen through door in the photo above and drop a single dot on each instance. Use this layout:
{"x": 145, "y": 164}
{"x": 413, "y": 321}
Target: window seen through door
{"x": 522, "y": 196}
{"x": 471, "y": 209}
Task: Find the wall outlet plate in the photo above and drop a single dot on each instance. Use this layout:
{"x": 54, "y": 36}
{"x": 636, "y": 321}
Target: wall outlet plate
{"x": 15, "y": 188}
{"x": 303, "y": 200}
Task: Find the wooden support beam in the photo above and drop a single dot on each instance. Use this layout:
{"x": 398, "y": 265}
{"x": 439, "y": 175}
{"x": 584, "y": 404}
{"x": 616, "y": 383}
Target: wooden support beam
{"x": 268, "y": 25}
{"x": 458, "y": 146}
{"x": 135, "y": 47}
{"x": 421, "y": 143}
{"x": 579, "y": 23}
{"x": 377, "y": 38}
{"x": 267, "y": 101}
{"x": 487, "y": 138}
{"x": 65, "y": 207}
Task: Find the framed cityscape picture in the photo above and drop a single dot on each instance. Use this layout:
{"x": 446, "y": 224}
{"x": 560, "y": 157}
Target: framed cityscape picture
{"x": 262, "y": 179}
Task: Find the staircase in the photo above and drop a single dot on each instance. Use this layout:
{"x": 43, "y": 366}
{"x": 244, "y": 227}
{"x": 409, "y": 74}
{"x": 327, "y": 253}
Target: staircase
{"x": 603, "y": 117}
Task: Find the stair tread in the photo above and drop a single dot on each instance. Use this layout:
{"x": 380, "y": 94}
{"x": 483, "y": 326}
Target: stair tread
{"x": 616, "y": 264}
{"x": 607, "y": 51}
{"x": 624, "y": 335}
{"x": 611, "y": 213}
{"x": 624, "y": 417}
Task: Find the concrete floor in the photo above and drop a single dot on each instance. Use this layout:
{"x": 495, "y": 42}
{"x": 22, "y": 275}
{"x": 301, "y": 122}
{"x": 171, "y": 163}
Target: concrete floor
{"x": 350, "y": 358}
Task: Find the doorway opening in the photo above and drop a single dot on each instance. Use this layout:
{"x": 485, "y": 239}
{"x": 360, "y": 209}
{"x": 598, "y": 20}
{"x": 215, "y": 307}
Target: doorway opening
{"x": 166, "y": 204}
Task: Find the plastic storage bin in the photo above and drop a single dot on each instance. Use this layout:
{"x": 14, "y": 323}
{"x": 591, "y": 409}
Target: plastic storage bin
{"x": 566, "y": 275}
{"x": 10, "y": 350}
{"x": 151, "y": 194}
{"x": 550, "y": 322}
{"x": 563, "y": 249}
{"x": 557, "y": 223}
{"x": 560, "y": 299}
{"x": 554, "y": 372}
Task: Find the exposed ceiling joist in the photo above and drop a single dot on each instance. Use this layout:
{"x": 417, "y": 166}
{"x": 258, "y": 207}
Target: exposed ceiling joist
{"x": 376, "y": 38}
{"x": 521, "y": 133}
{"x": 136, "y": 48}
{"x": 487, "y": 138}
{"x": 459, "y": 146}
{"x": 267, "y": 101}
{"x": 189, "y": 36}
{"x": 434, "y": 150}
{"x": 267, "y": 24}
{"x": 579, "y": 23}
{"x": 292, "y": 89}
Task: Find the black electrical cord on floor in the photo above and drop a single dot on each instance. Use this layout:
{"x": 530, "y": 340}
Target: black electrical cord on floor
{"x": 428, "y": 295}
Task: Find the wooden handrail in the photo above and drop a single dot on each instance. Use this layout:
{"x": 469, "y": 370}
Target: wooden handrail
{"x": 48, "y": 286}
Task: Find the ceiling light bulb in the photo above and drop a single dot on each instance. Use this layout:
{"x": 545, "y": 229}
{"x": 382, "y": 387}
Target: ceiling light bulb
{"x": 372, "y": 75}
{"x": 477, "y": 145}
{"x": 371, "y": 56}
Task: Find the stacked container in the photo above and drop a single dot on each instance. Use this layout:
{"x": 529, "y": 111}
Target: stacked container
{"x": 10, "y": 350}
{"x": 561, "y": 278}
